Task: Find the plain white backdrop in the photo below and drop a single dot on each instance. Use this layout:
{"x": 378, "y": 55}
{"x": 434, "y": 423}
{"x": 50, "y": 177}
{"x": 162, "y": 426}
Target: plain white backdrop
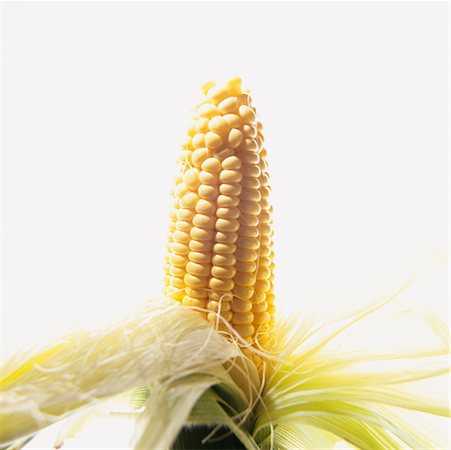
{"x": 96, "y": 100}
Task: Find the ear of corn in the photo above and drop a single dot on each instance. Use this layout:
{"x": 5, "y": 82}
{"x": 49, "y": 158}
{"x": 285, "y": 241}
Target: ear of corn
{"x": 219, "y": 255}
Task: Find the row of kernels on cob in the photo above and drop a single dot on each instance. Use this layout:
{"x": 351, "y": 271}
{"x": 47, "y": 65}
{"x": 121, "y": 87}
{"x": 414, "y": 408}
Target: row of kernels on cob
{"x": 220, "y": 255}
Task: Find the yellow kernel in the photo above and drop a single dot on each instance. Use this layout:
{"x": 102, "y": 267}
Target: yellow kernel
{"x": 200, "y": 257}
{"x": 250, "y": 244}
{"x": 244, "y": 99}
{"x": 224, "y": 260}
{"x": 242, "y": 318}
{"x": 265, "y": 229}
{"x": 244, "y": 279}
{"x": 262, "y": 285}
{"x": 177, "y": 282}
{"x": 194, "y": 302}
{"x": 251, "y": 170}
{"x": 213, "y": 140}
{"x": 261, "y": 317}
{"x": 191, "y": 179}
{"x": 229, "y": 212}
{"x": 207, "y": 86}
{"x": 266, "y": 240}
{"x": 177, "y": 271}
{"x": 200, "y": 246}
{"x": 219, "y": 125}
{"x": 180, "y": 249}
{"x": 250, "y": 195}
{"x": 189, "y": 200}
{"x": 259, "y": 297}
{"x": 199, "y": 156}
{"x": 213, "y": 317}
{"x": 181, "y": 189}
{"x": 247, "y": 231}
{"x": 244, "y": 330}
{"x": 204, "y": 221}
{"x": 243, "y": 254}
{"x": 253, "y": 208}
{"x": 249, "y": 157}
{"x": 264, "y": 180}
{"x": 246, "y": 114}
{"x": 232, "y": 162}
{"x": 201, "y": 293}
{"x": 201, "y": 234}
{"x": 228, "y": 105}
{"x": 259, "y": 307}
{"x": 211, "y": 165}
{"x": 220, "y": 284}
{"x": 263, "y": 273}
{"x": 182, "y": 225}
{"x": 217, "y": 93}
{"x": 249, "y": 145}
{"x": 209, "y": 177}
{"x": 202, "y": 125}
{"x": 198, "y": 140}
{"x": 230, "y": 188}
{"x": 264, "y": 262}
{"x": 226, "y": 272}
{"x": 249, "y": 220}
{"x": 207, "y": 110}
{"x": 243, "y": 292}
{"x": 234, "y": 137}
{"x": 195, "y": 281}
{"x": 250, "y": 183}
{"x": 178, "y": 260}
{"x": 207, "y": 191}
{"x": 265, "y": 217}
{"x": 265, "y": 251}
{"x": 241, "y": 305}
{"x": 226, "y": 238}
{"x": 205, "y": 207}
{"x": 228, "y": 200}
{"x": 234, "y": 85}
{"x": 181, "y": 236}
{"x": 201, "y": 270}
{"x": 214, "y": 305}
{"x": 222, "y": 153}
{"x": 233, "y": 120}
{"x": 246, "y": 266}
{"x": 230, "y": 176}
{"x": 224, "y": 249}
{"x": 227, "y": 225}
{"x": 249, "y": 131}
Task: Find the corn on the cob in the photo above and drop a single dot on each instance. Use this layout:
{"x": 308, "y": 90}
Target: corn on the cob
{"x": 220, "y": 256}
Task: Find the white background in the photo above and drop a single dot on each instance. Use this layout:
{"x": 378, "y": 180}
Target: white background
{"x": 96, "y": 100}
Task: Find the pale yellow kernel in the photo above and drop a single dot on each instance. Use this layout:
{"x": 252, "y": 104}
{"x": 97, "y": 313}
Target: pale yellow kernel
{"x": 188, "y": 144}
{"x": 262, "y": 285}
{"x": 265, "y": 229}
{"x": 204, "y": 221}
{"x": 230, "y": 176}
{"x": 172, "y": 226}
{"x": 227, "y": 225}
{"x": 219, "y": 125}
{"x": 234, "y": 85}
{"x": 208, "y": 191}
{"x": 227, "y": 212}
{"x": 228, "y": 200}
{"x": 200, "y": 257}
{"x": 247, "y": 231}
{"x": 224, "y": 260}
{"x": 205, "y": 207}
{"x": 221, "y": 284}
{"x": 222, "y": 153}
{"x": 244, "y": 254}
{"x": 211, "y": 165}
{"x": 230, "y": 189}
{"x": 207, "y": 110}
{"x": 266, "y": 240}
{"x": 191, "y": 179}
{"x": 166, "y": 280}
{"x": 265, "y": 251}
{"x": 248, "y": 157}
{"x": 251, "y": 170}
{"x": 189, "y": 200}
{"x": 263, "y": 273}
{"x": 259, "y": 297}
{"x": 185, "y": 157}
{"x": 259, "y": 307}
{"x": 177, "y": 271}
{"x": 214, "y": 305}
{"x": 208, "y": 177}
{"x": 224, "y": 249}
{"x": 201, "y": 234}
{"x": 250, "y": 183}
{"x": 178, "y": 260}
{"x": 182, "y": 225}
{"x": 181, "y": 189}
{"x": 195, "y": 281}
{"x": 224, "y": 272}
{"x": 249, "y": 131}
{"x": 226, "y": 238}
{"x": 174, "y": 293}
{"x": 250, "y": 195}
{"x": 264, "y": 262}
{"x": 200, "y": 246}
{"x": 243, "y": 292}
{"x": 177, "y": 282}
{"x": 234, "y": 137}
{"x": 194, "y": 302}
{"x": 261, "y": 317}
{"x": 259, "y": 142}
{"x": 199, "y": 140}
{"x": 202, "y": 125}
{"x": 180, "y": 249}
{"x": 192, "y": 128}
{"x": 201, "y": 293}
{"x": 199, "y": 156}
{"x": 213, "y": 317}
{"x": 181, "y": 236}
{"x": 249, "y": 145}
{"x": 265, "y": 203}
{"x": 246, "y": 114}
{"x": 250, "y": 244}
{"x": 265, "y": 217}
{"x": 252, "y": 208}
{"x": 217, "y": 93}
{"x": 239, "y": 305}
{"x": 201, "y": 270}
{"x": 213, "y": 140}
{"x": 228, "y": 105}
{"x": 249, "y": 220}
{"x": 244, "y": 279}
{"x": 242, "y": 318}
{"x": 233, "y": 120}
{"x": 246, "y": 266}
{"x": 244, "y": 99}
{"x": 244, "y": 330}
{"x": 231, "y": 163}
